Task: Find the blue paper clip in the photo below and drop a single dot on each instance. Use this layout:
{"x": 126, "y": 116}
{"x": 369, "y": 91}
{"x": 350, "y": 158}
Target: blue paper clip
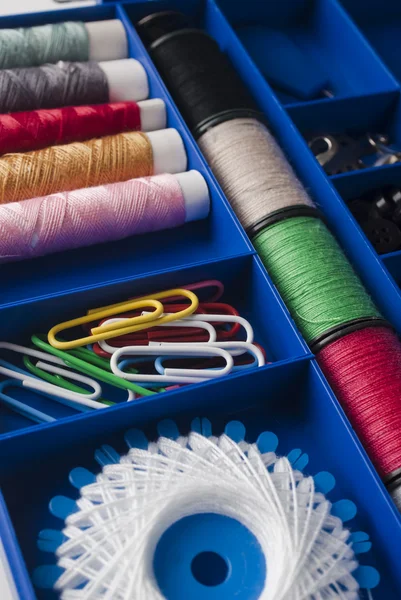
{"x": 20, "y": 407}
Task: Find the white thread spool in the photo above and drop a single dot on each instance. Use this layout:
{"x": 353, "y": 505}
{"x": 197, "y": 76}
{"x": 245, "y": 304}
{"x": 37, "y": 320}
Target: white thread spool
{"x": 127, "y": 80}
{"x": 252, "y": 170}
{"x": 107, "y": 40}
{"x": 112, "y": 537}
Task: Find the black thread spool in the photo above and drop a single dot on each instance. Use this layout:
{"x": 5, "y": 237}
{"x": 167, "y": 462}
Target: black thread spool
{"x": 201, "y": 78}
{"x": 155, "y": 26}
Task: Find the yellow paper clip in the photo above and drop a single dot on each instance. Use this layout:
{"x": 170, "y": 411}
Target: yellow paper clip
{"x": 120, "y": 328}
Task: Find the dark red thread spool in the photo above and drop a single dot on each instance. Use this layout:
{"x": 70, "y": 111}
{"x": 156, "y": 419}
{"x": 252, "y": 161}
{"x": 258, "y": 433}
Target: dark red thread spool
{"x": 36, "y": 129}
{"x": 364, "y": 370}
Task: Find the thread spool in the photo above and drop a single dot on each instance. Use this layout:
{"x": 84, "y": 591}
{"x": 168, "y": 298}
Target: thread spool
{"x": 100, "y": 214}
{"x": 32, "y": 130}
{"x": 68, "y": 41}
{"x": 153, "y": 27}
{"x": 202, "y": 80}
{"x": 364, "y": 370}
{"x": 96, "y": 162}
{"x": 72, "y": 84}
{"x": 253, "y": 172}
{"x": 202, "y": 498}
{"x": 304, "y": 261}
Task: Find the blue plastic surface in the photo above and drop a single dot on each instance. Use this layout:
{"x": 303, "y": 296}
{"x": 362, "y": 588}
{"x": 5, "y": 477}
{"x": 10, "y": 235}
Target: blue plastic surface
{"x": 381, "y": 24}
{"x": 288, "y": 397}
{"x": 330, "y": 50}
{"x": 283, "y": 63}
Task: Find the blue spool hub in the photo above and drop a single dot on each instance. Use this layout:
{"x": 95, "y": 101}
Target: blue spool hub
{"x": 209, "y": 557}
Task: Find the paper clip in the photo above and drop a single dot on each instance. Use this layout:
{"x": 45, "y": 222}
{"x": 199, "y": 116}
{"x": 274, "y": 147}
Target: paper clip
{"x": 159, "y": 366}
{"x": 201, "y": 285}
{"x": 23, "y": 409}
{"x": 204, "y": 308}
{"x": 85, "y": 361}
{"x": 101, "y": 313}
{"x": 235, "y": 348}
{"x": 44, "y": 371}
{"x": 165, "y": 318}
{"x": 194, "y": 323}
{"x": 223, "y": 319}
{"x": 53, "y": 390}
{"x": 174, "y": 375}
{"x": 141, "y": 338}
{"x": 224, "y": 309}
{"x": 59, "y": 394}
{"x": 185, "y": 335}
{"x": 41, "y": 371}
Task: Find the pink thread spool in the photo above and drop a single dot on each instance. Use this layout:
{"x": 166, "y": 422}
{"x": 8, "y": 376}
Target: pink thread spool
{"x": 100, "y": 214}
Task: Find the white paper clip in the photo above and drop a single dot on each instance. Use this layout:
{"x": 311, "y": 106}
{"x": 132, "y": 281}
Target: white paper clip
{"x": 173, "y": 375}
{"x": 195, "y": 323}
{"x": 213, "y": 319}
{"x": 48, "y": 388}
{"x": 235, "y": 348}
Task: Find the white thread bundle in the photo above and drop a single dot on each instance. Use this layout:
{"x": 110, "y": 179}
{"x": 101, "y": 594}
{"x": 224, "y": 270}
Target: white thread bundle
{"x": 121, "y": 517}
{"x": 252, "y": 170}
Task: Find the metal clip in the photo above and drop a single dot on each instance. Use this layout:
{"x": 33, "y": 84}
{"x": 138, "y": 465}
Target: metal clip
{"x": 344, "y": 153}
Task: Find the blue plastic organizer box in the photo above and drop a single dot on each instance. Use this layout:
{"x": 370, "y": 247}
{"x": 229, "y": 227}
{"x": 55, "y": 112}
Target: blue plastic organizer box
{"x": 357, "y": 54}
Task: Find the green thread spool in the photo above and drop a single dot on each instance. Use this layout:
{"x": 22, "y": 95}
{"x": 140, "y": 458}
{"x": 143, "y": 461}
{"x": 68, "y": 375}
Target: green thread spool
{"x": 313, "y": 276}
{"x": 34, "y": 46}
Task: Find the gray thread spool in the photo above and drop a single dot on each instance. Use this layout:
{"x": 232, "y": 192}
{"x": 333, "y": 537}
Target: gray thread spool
{"x": 33, "y": 46}
{"x": 70, "y": 41}
{"x": 252, "y": 170}
{"x": 52, "y": 86}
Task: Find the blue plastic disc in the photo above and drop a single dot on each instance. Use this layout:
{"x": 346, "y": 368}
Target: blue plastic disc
{"x": 209, "y": 557}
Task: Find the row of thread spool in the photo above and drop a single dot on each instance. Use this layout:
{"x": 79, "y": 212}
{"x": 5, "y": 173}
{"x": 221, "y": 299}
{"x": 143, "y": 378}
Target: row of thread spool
{"x": 76, "y": 167}
{"x": 356, "y": 348}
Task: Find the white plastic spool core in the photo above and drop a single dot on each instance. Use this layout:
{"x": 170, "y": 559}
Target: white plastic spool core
{"x": 107, "y": 40}
{"x": 169, "y": 155}
{"x": 127, "y": 80}
{"x": 153, "y": 114}
{"x": 196, "y": 195}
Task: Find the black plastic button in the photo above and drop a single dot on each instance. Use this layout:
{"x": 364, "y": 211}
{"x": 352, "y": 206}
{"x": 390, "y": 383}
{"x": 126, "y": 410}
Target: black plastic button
{"x": 383, "y": 234}
{"x": 381, "y": 205}
{"x": 393, "y": 194}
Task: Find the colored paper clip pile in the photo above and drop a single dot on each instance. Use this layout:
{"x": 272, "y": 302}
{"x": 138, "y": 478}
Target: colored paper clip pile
{"x": 145, "y": 345}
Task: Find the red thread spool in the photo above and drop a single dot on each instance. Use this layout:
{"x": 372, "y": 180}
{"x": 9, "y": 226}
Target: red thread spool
{"x": 364, "y": 370}
{"x": 32, "y": 130}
